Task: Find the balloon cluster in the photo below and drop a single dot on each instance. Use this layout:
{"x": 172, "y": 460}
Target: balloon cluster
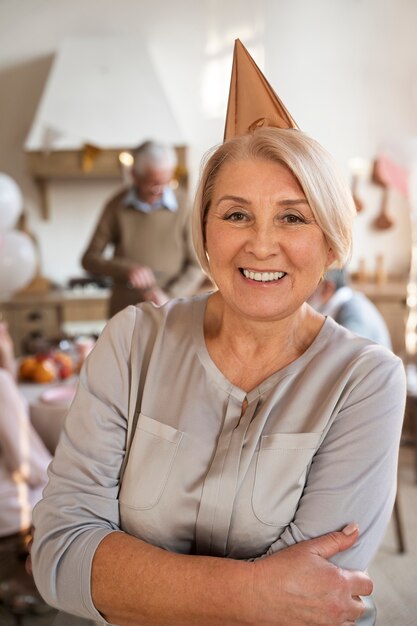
{"x": 18, "y": 257}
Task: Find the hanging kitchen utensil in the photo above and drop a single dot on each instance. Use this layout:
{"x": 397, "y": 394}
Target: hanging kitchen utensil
{"x": 383, "y": 221}
{"x": 354, "y": 188}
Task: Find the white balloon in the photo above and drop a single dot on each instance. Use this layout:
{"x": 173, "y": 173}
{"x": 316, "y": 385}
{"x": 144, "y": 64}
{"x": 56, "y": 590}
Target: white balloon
{"x": 18, "y": 261}
{"x": 11, "y": 202}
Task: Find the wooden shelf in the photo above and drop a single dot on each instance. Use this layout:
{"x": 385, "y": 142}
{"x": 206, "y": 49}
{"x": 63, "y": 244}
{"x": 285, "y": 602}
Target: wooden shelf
{"x": 390, "y": 290}
{"x": 87, "y": 163}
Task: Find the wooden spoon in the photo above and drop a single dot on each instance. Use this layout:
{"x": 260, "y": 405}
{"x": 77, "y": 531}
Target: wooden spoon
{"x": 354, "y": 187}
{"x": 383, "y": 220}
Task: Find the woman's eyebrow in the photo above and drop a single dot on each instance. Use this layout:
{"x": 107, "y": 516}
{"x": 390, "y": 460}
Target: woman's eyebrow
{"x": 286, "y": 202}
{"x": 233, "y": 199}
{"x": 293, "y": 202}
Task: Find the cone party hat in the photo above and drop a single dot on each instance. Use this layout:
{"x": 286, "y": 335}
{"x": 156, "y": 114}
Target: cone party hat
{"x": 252, "y": 101}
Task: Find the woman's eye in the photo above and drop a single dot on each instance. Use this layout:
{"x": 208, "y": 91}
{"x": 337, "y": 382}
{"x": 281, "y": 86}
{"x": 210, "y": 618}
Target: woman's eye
{"x": 236, "y": 216}
{"x": 293, "y": 219}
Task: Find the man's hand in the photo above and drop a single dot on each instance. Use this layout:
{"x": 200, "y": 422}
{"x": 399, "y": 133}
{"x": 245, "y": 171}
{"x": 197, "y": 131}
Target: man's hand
{"x": 298, "y": 586}
{"x": 141, "y": 277}
{"x": 156, "y": 295}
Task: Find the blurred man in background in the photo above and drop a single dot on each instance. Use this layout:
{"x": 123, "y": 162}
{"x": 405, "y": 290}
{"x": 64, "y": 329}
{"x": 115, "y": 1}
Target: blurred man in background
{"x": 149, "y": 228}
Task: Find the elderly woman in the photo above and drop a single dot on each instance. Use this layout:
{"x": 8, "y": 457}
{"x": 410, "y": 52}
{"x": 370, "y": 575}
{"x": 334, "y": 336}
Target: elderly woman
{"x": 211, "y": 437}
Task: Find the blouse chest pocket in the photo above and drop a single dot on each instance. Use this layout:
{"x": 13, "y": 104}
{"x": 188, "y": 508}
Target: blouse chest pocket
{"x": 151, "y": 457}
{"x": 280, "y": 476}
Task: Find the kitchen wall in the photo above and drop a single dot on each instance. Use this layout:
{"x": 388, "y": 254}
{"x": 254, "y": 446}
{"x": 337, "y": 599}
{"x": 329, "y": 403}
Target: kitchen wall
{"x": 346, "y": 69}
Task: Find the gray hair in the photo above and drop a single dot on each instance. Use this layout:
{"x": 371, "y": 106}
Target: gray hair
{"x": 153, "y": 154}
{"x": 327, "y": 193}
{"x": 337, "y": 276}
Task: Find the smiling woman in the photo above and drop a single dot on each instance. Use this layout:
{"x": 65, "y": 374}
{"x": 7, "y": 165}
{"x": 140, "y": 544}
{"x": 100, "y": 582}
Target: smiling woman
{"x": 231, "y": 463}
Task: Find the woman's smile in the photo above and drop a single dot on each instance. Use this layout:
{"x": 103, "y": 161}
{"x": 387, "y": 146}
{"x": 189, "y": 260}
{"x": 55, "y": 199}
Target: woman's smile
{"x": 262, "y": 276}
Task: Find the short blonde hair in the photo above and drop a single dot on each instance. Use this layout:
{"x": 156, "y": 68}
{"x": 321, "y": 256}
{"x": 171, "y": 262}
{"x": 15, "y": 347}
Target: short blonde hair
{"x": 327, "y": 192}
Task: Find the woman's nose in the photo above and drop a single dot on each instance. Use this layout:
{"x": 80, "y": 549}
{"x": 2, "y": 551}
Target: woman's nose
{"x": 263, "y": 241}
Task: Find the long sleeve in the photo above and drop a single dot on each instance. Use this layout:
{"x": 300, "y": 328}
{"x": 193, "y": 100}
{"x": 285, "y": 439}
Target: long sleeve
{"x": 80, "y": 505}
{"x": 107, "y": 232}
{"x": 353, "y": 475}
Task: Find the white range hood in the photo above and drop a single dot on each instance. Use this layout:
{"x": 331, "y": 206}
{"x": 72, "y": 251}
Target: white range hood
{"x": 103, "y": 97}
{"x": 103, "y": 91}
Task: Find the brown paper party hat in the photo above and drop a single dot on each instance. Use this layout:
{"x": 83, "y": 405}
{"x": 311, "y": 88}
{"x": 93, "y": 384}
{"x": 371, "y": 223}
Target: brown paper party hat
{"x": 252, "y": 101}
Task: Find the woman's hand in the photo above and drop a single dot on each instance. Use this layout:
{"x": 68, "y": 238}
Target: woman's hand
{"x": 298, "y": 586}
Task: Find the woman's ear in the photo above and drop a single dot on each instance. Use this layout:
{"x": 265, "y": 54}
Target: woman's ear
{"x": 331, "y": 258}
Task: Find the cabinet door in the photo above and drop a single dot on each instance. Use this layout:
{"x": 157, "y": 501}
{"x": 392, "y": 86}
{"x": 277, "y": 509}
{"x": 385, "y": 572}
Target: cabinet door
{"x": 85, "y": 310}
{"x": 30, "y": 323}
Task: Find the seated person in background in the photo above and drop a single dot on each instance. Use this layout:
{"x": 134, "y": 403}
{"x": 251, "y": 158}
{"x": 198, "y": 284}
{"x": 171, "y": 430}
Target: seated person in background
{"x": 349, "y": 308}
{"x": 23, "y": 463}
{"x": 149, "y": 227}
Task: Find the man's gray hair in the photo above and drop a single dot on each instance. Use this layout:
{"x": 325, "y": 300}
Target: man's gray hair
{"x": 337, "y": 276}
{"x": 153, "y": 154}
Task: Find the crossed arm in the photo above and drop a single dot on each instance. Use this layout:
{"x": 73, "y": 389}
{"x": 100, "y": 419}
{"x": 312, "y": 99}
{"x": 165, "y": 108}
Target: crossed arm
{"x": 134, "y": 583}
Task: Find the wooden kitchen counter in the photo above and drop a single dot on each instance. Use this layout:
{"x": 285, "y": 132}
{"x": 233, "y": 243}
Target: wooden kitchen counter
{"x": 390, "y": 298}
{"x": 51, "y": 314}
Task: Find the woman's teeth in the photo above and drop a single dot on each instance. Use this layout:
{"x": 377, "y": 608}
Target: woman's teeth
{"x": 263, "y": 277}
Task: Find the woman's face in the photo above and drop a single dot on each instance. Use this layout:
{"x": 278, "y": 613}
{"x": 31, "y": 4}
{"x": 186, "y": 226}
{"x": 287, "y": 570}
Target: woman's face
{"x": 266, "y": 251}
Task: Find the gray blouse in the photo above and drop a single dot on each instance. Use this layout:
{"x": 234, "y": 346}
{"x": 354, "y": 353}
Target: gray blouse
{"x": 315, "y": 449}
